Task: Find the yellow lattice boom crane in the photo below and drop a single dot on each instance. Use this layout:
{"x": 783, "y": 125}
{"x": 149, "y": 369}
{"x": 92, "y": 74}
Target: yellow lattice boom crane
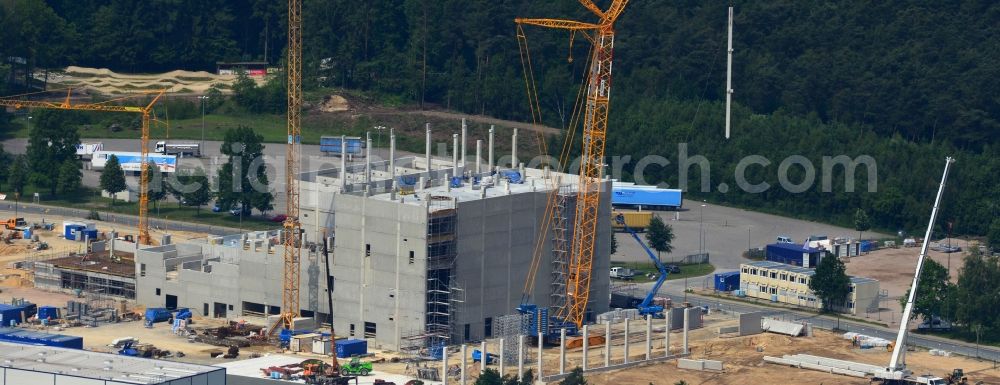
{"x": 595, "y": 126}
{"x": 292, "y": 226}
{"x": 108, "y": 106}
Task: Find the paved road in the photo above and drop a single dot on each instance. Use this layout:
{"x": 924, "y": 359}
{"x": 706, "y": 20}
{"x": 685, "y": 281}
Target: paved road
{"x": 728, "y": 232}
{"x": 127, "y": 220}
{"x": 675, "y": 290}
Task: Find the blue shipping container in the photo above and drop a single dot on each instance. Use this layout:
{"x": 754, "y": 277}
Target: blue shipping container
{"x": 727, "y": 281}
{"x": 867, "y": 246}
{"x": 70, "y": 229}
{"x": 331, "y": 144}
{"x": 793, "y": 254}
{"x": 17, "y": 314}
{"x": 48, "y": 312}
{"x": 646, "y": 197}
{"x": 90, "y": 233}
{"x": 28, "y": 337}
{"x": 350, "y": 348}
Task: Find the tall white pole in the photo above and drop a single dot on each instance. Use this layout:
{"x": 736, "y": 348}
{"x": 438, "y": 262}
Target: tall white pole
{"x": 368, "y": 158}
{"x": 489, "y": 154}
{"x": 479, "y": 156}
{"x": 343, "y": 162}
{"x": 729, "y": 74}
{"x": 898, "y": 362}
{"x": 427, "y": 150}
{"x": 454, "y": 155}
{"x": 513, "y": 150}
{"x": 464, "y": 129}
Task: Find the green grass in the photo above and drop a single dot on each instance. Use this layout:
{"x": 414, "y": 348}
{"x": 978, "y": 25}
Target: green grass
{"x": 88, "y": 198}
{"x": 687, "y": 270}
{"x": 966, "y": 335}
{"x": 409, "y": 127}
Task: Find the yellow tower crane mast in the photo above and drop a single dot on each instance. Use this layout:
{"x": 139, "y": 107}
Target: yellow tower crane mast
{"x": 595, "y": 127}
{"x": 293, "y": 228}
{"x": 106, "y": 106}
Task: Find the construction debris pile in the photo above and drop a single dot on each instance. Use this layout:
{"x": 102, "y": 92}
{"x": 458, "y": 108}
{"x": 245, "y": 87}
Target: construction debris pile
{"x": 236, "y": 334}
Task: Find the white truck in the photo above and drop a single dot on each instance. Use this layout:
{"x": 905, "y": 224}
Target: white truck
{"x": 622, "y": 273}
{"x": 179, "y": 149}
{"x": 87, "y": 150}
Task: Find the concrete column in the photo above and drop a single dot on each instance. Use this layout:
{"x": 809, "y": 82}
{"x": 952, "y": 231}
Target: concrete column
{"x": 368, "y": 158}
{"x": 541, "y": 343}
{"x": 343, "y": 161}
{"x": 649, "y": 337}
{"x": 520, "y": 357}
{"x": 465, "y": 356}
{"x": 586, "y": 344}
{"x": 666, "y": 335}
{"x": 562, "y": 351}
{"x": 427, "y": 149}
{"x": 501, "y": 349}
{"x": 464, "y": 129}
{"x": 626, "y": 339}
{"x": 513, "y": 150}
{"x": 607, "y": 344}
{"x": 484, "y": 358}
{"x": 454, "y": 155}
{"x": 687, "y": 325}
{"x": 489, "y": 160}
{"x": 392, "y": 164}
{"x": 444, "y": 366}
{"x": 479, "y": 156}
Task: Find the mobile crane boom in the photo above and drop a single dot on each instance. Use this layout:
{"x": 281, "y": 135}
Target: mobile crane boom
{"x": 647, "y": 307}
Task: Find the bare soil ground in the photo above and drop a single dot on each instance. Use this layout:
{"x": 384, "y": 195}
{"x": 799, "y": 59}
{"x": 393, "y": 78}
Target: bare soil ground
{"x": 109, "y": 82}
{"x": 894, "y": 268}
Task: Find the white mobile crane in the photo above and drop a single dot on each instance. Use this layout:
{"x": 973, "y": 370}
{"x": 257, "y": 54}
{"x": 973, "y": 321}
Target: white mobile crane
{"x": 896, "y": 372}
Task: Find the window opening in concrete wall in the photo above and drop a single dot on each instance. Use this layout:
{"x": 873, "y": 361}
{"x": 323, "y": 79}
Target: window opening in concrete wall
{"x": 157, "y": 291}
{"x": 204, "y": 310}
{"x": 368, "y": 250}
{"x": 467, "y": 332}
{"x": 352, "y": 330}
{"x": 370, "y": 330}
{"x": 488, "y": 327}
{"x": 253, "y": 309}
{"x": 411, "y": 257}
{"x": 142, "y": 269}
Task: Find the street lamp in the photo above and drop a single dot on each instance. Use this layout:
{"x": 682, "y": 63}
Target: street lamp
{"x": 203, "y": 98}
{"x": 378, "y": 135}
{"x": 701, "y": 231}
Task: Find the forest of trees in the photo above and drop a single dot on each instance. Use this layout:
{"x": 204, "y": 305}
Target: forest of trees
{"x": 905, "y": 82}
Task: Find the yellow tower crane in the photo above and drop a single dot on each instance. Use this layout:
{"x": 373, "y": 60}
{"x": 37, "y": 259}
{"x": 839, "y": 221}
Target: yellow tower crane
{"x": 595, "y": 127}
{"x": 106, "y": 106}
{"x": 293, "y": 228}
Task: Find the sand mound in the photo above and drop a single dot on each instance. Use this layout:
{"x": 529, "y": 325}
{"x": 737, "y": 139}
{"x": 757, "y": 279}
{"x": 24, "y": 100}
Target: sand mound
{"x": 109, "y": 82}
{"x": 334, "y": 103}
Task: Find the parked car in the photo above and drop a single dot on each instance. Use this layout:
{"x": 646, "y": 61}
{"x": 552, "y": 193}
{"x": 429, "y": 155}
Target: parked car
{"x": 216, "y": 208}
{"x": 673, "y": 269}
{"x": 279, "y": 218}
{"x": 785, "y": 239}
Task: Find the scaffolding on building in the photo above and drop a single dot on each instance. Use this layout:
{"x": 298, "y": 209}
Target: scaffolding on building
{"x": 561, "y": 234}
{"x": 443, "y": 293}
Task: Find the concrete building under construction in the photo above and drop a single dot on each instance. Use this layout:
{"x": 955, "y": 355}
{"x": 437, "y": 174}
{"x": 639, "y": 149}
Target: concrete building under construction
{"x": 423, "y": 250}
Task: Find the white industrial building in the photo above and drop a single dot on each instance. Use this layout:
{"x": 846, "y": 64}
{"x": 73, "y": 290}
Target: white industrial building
{"x": 419, "y": 255}
{"x": 37, "y": 365}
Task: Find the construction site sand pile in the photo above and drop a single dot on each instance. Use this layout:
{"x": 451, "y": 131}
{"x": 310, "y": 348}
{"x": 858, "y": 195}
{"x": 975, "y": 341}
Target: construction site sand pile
{"x": 109, "y": 82}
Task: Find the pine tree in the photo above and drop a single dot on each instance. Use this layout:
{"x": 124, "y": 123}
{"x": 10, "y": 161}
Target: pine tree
{"x": 113, "y": 178}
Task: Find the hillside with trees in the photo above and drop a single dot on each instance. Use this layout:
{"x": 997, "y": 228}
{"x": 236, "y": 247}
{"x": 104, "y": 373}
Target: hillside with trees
{"x": 905, "y": 82}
